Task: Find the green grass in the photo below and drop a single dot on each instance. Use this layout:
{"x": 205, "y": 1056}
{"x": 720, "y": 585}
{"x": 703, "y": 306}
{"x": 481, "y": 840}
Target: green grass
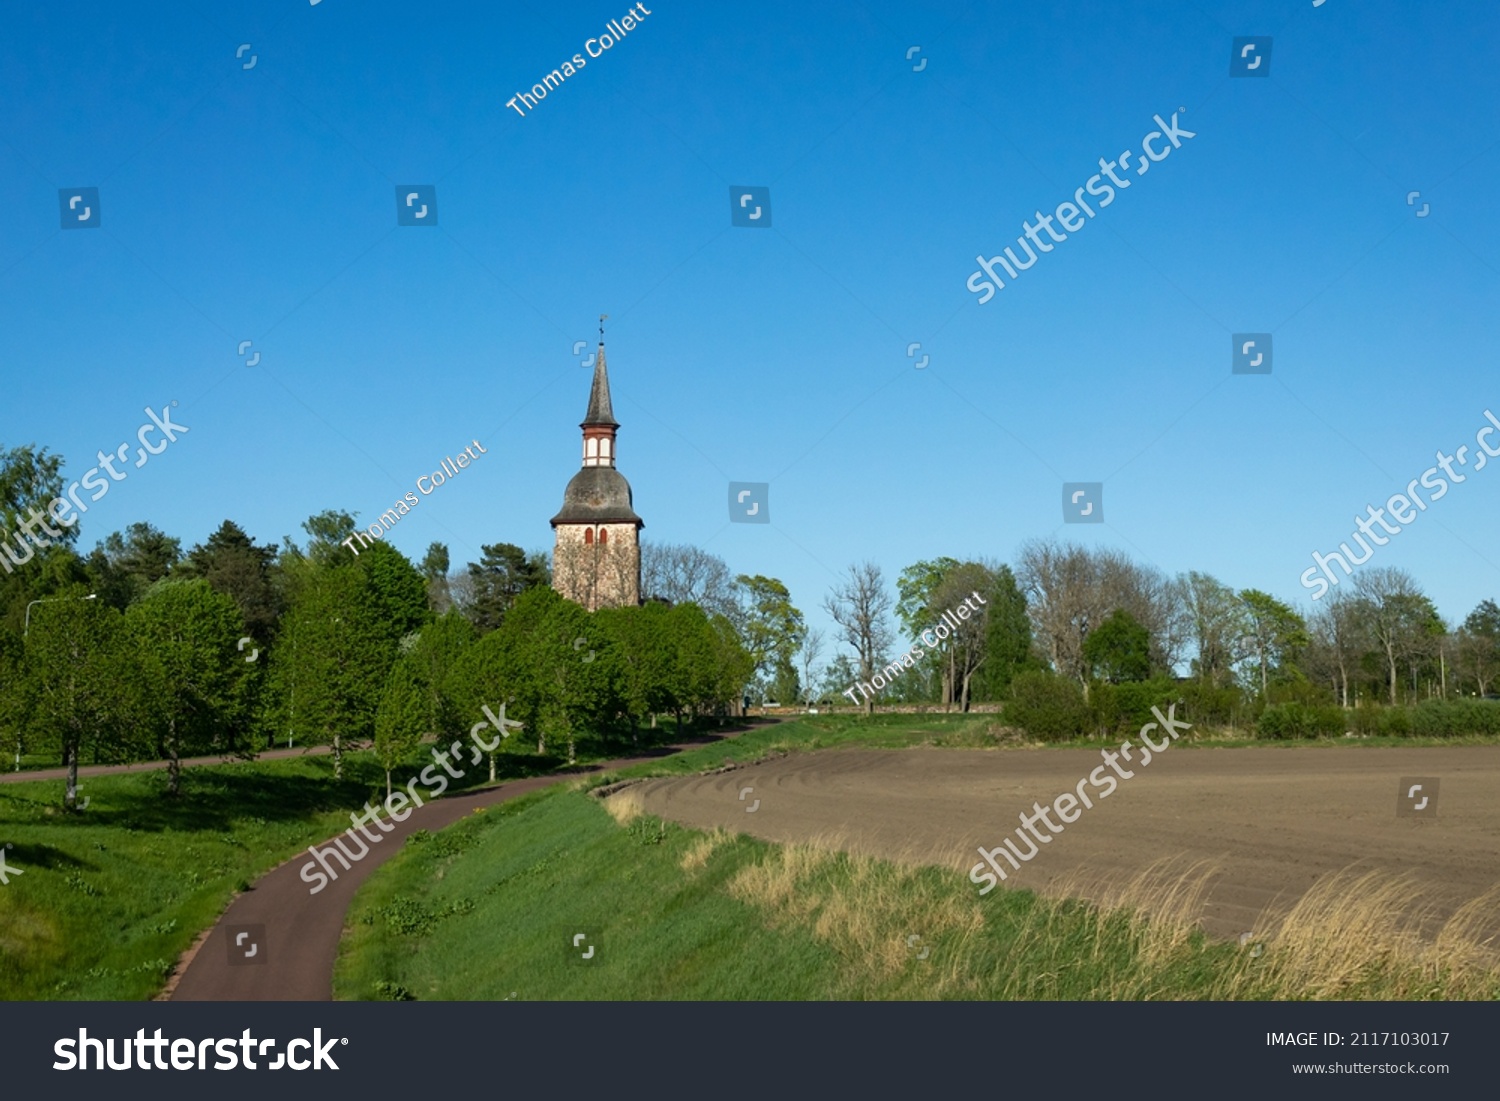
{"x": 489, "y": 906}
{"x": 110, "y": 896}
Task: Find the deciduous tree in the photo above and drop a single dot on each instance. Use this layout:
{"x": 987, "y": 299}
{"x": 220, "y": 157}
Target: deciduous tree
{"x": 74, "y": 661}
{"x": 184, "y": 637}
{"x": 860, "y": 606}
{"x": 1276, "y": 634}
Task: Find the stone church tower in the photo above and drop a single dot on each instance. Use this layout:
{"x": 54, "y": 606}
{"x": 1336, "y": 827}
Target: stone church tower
{"x": 596, "y": 561}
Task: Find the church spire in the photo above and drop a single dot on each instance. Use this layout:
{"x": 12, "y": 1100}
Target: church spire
{"x": 600, "y": 412}
{"x": 599, "y": 424}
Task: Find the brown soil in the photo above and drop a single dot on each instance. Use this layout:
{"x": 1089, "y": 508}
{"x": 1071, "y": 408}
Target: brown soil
{"x": 1273, "y": 819}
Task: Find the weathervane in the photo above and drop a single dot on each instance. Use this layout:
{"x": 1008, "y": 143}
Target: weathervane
{"x": 602, "y": 319}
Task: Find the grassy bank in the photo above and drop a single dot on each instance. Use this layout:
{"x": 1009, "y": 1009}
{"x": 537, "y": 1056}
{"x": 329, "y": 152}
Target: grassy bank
{"x": 487, "y": 910}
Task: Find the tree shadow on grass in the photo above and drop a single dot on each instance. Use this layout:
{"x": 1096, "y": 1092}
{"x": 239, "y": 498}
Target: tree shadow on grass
{"x": 23, "y": 855}
{"x": 216, "y": 799}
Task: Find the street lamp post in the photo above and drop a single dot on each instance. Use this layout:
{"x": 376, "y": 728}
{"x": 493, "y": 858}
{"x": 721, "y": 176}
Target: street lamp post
{"x": 25, "y": 631}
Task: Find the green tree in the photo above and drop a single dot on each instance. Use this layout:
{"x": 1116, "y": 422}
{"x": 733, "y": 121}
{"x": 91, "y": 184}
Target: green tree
{"x": 692, "y": 683}
{"x": 403, "y": 718}
{"x": 772, "y": 629}
{"x": 183, "y": 635}
{"x": 231, "y": 562}
{"x": 1479, "y": 645}
{"x": 434, "y": 567}
{"x": 510, "y": 664}
{"x": 32, "y": 568}
{"x": 838, "y": 675}
{"x": 396, "y": 590}
{"x": 915, "y": 588}
{"x": 914, "y": 591}
{"x": 962, "y": 587}
{"x": 74, "y": 663}
{"x": 1008, "y": 644}
{"x": 331, "y": 658}
{"x": 125, "y": 565}
{"x": 639, "y": 638}
{"x": 730, "y": 665}
{"x": 1484, "y": 619}
{"x": 327, "y": 532}
{"x": 1276, "y": 634}
{"x": 503, "y": 572}
{"x": 15, "y": 693}
{"x": 1119, "y": 649}
{"x": 436, "y": 652}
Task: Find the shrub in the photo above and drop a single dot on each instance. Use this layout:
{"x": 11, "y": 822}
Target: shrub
{"x": 1365, "y": 719}
{"x": 1455, "y": 718}
{"x": 1300, "y": 720}
{"x": 1125, "y": 708}
{"x": 1047, "y": 707}
{"x": 1395, "y": 722}
{"x": 1210, "y": 705}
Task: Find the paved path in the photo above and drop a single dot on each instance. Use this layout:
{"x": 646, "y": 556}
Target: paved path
{"x": 296, "y": 951}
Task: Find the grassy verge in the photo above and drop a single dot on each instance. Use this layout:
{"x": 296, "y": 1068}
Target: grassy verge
{"x": 488, "y": 909}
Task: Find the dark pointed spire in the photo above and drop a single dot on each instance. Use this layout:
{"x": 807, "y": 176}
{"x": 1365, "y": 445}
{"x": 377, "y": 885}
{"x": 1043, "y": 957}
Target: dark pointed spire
{"x": 601, "y": 412}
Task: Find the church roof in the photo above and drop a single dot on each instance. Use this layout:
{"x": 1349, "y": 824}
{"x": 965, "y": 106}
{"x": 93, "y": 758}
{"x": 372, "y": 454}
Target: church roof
{"x": 600, "y": 412}
{"x": 598, "y": 495}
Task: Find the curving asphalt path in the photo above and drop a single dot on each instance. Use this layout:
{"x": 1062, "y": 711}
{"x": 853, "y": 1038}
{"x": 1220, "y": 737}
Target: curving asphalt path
{"x": 296, "y": 934}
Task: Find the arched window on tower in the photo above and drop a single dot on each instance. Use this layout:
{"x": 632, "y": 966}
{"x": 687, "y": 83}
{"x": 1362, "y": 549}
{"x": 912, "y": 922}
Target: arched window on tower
{"x": 604, "y": 447}
{"x": 588, "y": 537}
{"x": 603, "y": 536}
{"x": 592, "y": 449}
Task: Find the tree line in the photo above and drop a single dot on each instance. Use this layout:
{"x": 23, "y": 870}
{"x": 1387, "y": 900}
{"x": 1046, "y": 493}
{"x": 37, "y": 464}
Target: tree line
{"x": 1076, "y": 640}
{"x": 138, "y": 650}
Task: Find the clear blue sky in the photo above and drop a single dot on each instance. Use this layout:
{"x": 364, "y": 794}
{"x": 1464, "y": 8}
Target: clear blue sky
{"x": 260, "y": 205}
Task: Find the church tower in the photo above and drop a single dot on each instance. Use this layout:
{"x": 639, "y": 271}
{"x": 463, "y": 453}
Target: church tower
{"x": 596, "y": 560}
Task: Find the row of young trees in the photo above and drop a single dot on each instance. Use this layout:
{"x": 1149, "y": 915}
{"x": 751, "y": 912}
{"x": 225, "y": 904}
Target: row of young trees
{"x": 138, "y": 650}
{"x": 356, "y": 654}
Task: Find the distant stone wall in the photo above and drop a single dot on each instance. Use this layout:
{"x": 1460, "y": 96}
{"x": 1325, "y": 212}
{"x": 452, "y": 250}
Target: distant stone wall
{"x": 598, "y": 575}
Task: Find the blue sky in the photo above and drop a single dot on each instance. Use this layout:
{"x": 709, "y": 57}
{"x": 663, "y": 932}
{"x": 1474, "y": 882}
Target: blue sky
{"x": 259, "y": 204}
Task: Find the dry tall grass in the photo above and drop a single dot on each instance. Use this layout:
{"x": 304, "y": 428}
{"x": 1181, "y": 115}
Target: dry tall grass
{"x": 696, "y": 857}
{"x": 1353, "y": 935}
{"x": 625, "y": 806}
{"x": 877, "y": 916}
{"x": 1358, "y": 935}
